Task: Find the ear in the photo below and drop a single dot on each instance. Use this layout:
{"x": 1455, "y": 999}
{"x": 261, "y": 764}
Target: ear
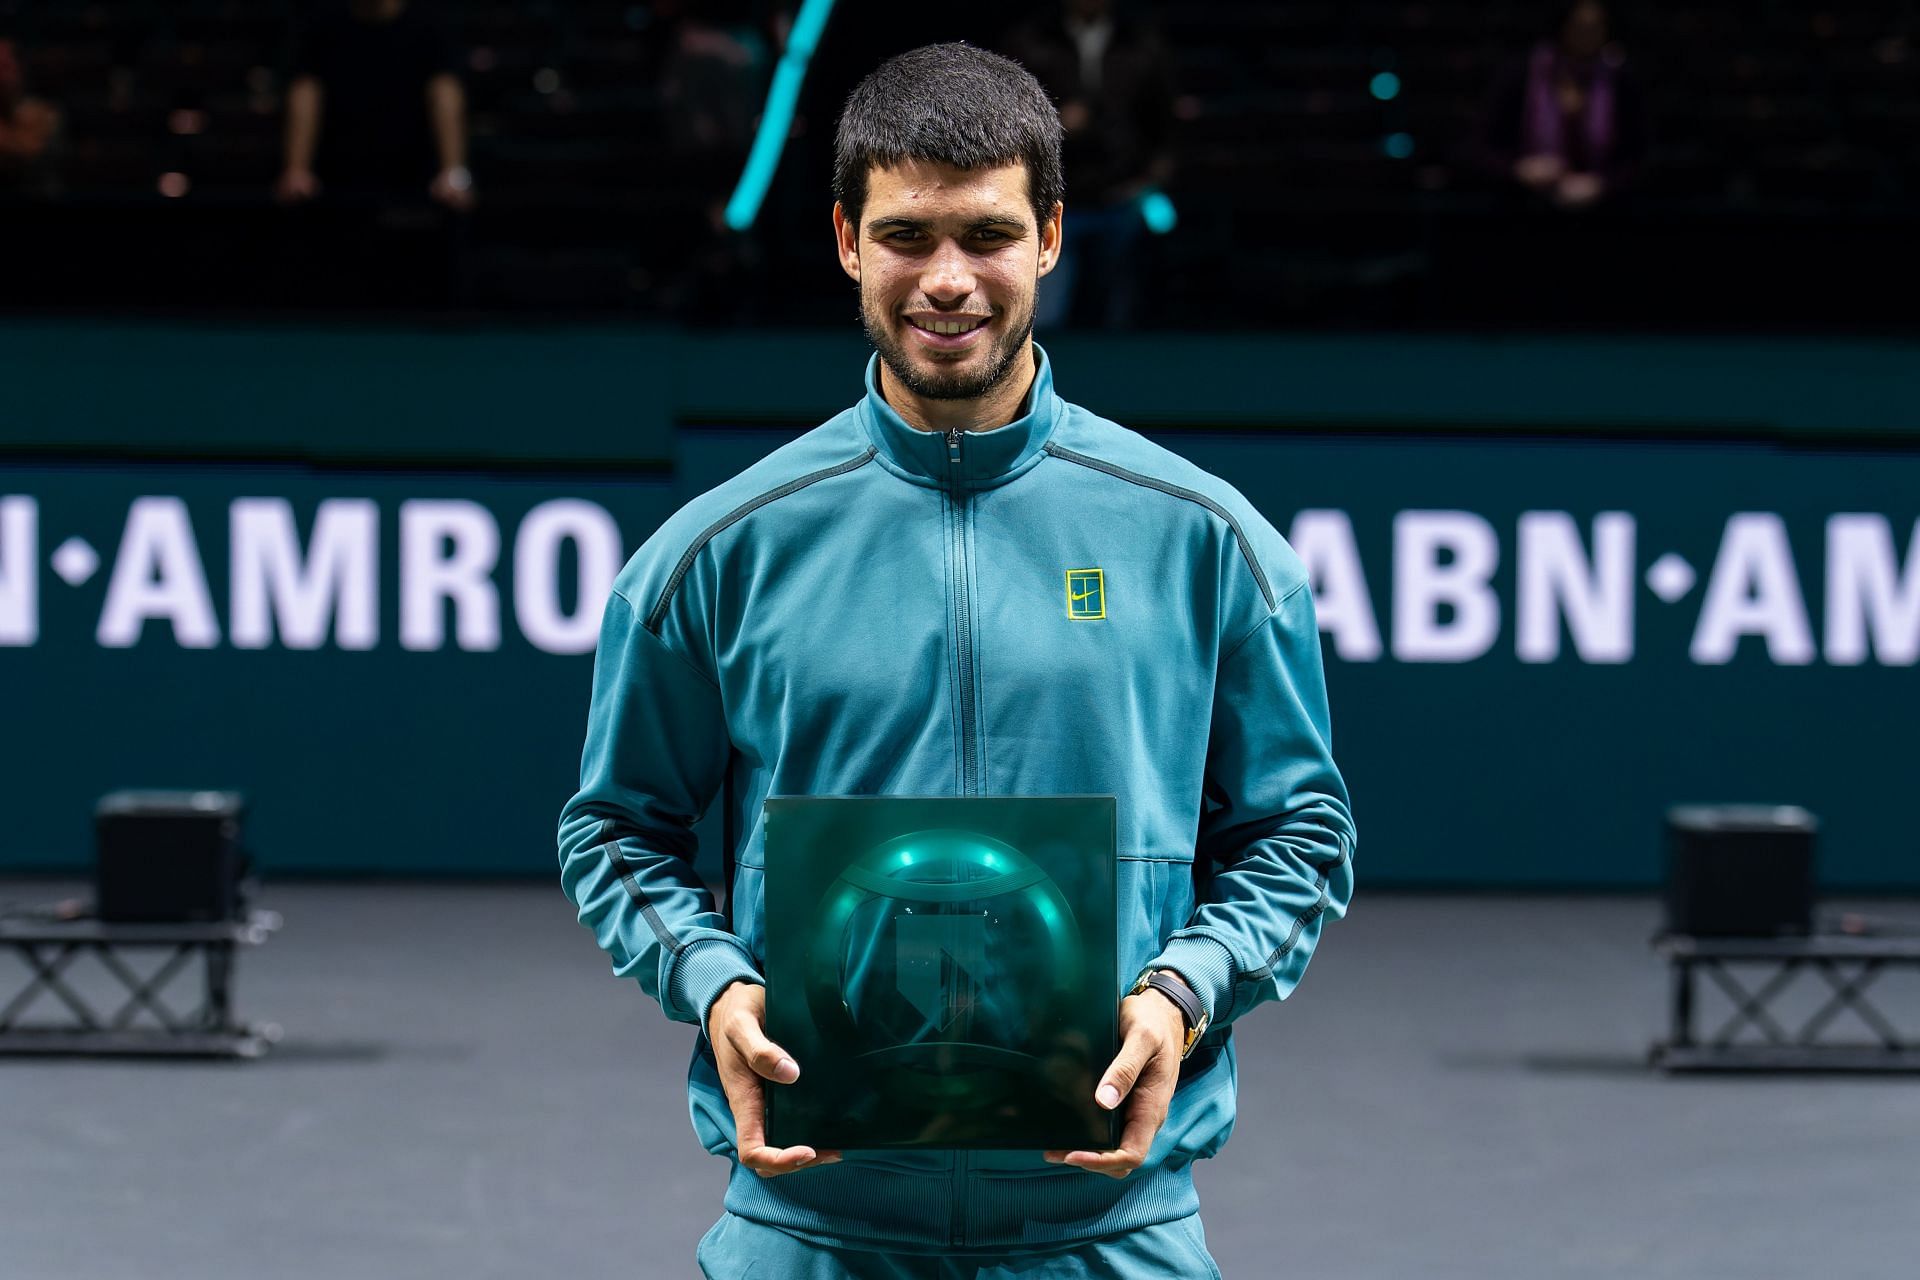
{"x": 847, "y": 239}
{"x": 1050, "y": 232}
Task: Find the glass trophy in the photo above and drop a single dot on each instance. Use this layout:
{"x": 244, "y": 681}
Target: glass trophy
{"x": 943, "y": 969}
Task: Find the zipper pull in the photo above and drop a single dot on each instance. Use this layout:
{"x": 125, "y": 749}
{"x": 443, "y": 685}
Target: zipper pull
{"x": 953, "y": 445}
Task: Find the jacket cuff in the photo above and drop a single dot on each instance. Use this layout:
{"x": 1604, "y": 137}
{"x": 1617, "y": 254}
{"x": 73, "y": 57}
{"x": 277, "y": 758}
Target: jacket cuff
{"x": 1208, "y": 967}
{"x": 704, "y": 968}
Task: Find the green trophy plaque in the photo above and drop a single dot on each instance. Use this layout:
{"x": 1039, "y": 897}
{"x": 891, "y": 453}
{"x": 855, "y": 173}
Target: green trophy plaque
{"x": 943, "y": 969}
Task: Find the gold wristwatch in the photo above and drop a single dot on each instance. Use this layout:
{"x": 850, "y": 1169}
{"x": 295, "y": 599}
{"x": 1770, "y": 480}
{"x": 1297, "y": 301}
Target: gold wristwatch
{"x": 1175, "y": 988}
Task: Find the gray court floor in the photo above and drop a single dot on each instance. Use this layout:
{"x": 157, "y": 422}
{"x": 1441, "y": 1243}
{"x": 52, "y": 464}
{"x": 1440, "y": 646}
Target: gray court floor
{"x": 465, "y": 1091}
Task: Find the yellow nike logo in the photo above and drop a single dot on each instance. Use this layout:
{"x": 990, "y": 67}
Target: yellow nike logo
{"x": 1090, "y": 602}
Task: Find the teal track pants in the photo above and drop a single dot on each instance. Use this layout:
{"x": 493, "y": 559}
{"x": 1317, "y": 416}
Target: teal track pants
{"x": 741, "y": 1249}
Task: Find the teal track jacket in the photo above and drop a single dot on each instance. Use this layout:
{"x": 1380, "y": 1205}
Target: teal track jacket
{"x": 876, "y": 610}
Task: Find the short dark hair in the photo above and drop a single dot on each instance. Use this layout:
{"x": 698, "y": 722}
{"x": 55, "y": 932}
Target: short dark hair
{"x": 950, "y": 104}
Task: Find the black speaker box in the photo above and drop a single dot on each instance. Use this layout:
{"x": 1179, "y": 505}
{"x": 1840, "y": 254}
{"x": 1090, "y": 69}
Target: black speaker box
{"x": 1740, "y": 871}
{"x": 168, "y": 856}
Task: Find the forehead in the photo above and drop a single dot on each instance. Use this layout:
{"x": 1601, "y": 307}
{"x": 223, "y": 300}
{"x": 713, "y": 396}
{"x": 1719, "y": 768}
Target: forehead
{"x": 924, "y": 189}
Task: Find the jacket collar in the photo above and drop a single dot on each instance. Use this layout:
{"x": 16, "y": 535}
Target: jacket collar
{"x": 987, "y": 458}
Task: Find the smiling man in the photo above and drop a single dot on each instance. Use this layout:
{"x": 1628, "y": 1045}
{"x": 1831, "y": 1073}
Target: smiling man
{"x": 964, "y": 585}
{"x": 948, "y": 260}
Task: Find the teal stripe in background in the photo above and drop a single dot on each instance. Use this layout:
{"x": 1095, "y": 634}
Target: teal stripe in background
{"x": 1158, "y": 212}
{"x": 776, "y": 120}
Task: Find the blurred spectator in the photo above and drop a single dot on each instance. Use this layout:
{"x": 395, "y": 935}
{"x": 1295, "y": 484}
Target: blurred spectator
{"x": 1110, "y": 77}
{"x": 715, "y": 77}
{"x": 1568, "y": 124}
{"x": 28, "y": 129}
{"x": 376, "y": 108}
{"x": 712, "y": 84}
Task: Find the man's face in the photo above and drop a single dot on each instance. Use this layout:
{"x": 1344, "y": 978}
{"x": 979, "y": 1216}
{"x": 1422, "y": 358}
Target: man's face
{"x": 948, "y": 261}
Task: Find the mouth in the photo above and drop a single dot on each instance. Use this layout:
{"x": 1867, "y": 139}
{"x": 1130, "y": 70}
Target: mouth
{"x": 948, "y": 333}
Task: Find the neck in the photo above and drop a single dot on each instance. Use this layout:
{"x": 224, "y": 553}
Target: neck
{"x": 999, "y": 406}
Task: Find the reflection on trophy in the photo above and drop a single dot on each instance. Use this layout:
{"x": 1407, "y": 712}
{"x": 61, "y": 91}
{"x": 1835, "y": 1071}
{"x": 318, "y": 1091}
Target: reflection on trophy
{"x": 954, "y": 978}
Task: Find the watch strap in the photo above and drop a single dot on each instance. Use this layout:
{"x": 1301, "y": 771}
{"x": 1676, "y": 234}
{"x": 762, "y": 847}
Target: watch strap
{"x": 1177, "y": 991}
{"x": 1174, "y": 988}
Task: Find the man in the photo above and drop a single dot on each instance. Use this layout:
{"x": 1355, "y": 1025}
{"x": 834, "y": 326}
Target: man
{"x": 1112, "y": 80}
{"x": 901, "y": 602}
{"x": 376, "y": 109}
{"x": 1568, "y": 124}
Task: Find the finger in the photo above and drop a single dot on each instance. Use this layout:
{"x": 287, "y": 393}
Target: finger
{"x": 1118, "y": 1081}
{"x": 771, "y": 1162}
{"x": 766, "y": 1058}
{"x": 748, "y": 1103}
{"x": 1144, "y": 1119}
{"x": 1136, "y": 1139}
{"x": 1114, "y": 1164}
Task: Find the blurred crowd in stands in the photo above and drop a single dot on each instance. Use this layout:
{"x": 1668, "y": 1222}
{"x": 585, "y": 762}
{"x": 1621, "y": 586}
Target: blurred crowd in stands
{"x": 582, "y": 151}
{"x": 28, "y": 128}
{"x": 1567, "y": 124}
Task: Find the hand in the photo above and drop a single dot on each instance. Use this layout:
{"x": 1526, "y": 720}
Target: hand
{"x": 295, "y": 186}
{"x": 746, "y": 1059}
{"x": 1578, "y": 190}
{"x": 1152, "y": 1032}
{"x": 453, "y": 187}
{"x": 1539, "y": 171}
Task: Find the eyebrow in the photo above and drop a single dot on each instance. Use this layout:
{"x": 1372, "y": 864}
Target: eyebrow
{"x": 922, "y": 224}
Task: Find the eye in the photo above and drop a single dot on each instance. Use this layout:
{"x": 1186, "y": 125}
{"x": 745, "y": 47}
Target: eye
{"x": 905, "y": 235}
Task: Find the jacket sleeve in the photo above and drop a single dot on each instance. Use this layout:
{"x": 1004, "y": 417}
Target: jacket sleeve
{"x": 655, "y": 756}
{"x": 1276, "y": 829}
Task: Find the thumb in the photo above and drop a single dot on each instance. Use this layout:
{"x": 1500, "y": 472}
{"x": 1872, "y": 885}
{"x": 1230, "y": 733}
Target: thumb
{"x": 767, "y": 1059}
{"x": 1125, "y": 1069}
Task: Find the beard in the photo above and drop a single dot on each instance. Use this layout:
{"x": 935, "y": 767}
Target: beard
{"x": 936, "y": 385}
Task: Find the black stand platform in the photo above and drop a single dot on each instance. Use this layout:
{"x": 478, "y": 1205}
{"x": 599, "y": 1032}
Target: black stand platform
{"x": 1848, "y": 964}
{"x": 50, "y": 947}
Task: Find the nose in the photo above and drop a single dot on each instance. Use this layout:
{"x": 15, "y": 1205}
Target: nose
{"x": 948, "y": 274}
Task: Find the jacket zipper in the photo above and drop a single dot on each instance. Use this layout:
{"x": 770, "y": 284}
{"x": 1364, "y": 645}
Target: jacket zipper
{"x": 963, "y": 608}
{"x": 969, "y": 761}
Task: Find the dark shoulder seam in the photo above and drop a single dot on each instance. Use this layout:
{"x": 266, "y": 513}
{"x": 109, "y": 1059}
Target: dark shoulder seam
{"x": 1152, "y": 482}
{"x": 1267, "y": 621}
{"x": 659, "y": 612}
{"x": 666, "y": 644}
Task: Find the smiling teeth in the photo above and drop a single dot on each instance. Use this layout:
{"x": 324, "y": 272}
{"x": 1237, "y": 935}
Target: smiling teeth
{"x": 952, "y": 326}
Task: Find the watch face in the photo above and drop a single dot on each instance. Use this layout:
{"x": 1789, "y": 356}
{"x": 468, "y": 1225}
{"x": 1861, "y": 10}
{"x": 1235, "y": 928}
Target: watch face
{"x": 942, "y": 968}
